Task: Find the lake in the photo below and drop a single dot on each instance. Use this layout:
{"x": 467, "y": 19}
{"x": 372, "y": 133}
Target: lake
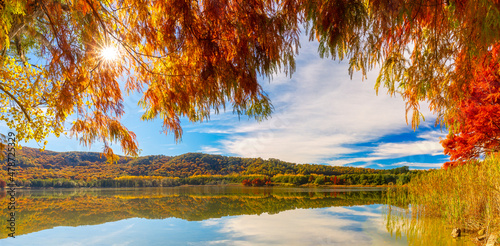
{"x": 216, "y": 215}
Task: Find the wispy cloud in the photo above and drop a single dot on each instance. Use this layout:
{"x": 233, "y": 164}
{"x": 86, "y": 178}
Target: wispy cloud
{"x": 210, "y": 150}
{"x": 418, "y": 164}
{"x": 427, "y": 144}
{"x": 395, "y": 150}
{"x": 323, "y": 114}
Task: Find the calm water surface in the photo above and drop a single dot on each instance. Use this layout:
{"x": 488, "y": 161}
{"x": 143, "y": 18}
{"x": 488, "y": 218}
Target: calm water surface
{"x": 212, "y": 215}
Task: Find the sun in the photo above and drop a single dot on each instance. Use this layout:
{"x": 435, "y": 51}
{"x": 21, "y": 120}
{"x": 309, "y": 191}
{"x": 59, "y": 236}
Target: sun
{"x": 109, "y": 53}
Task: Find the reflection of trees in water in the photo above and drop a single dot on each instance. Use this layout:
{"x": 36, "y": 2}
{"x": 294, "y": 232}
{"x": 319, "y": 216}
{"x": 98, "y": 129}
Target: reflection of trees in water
{"x": 41, "y": 210}
{"x": 403, "y": 222}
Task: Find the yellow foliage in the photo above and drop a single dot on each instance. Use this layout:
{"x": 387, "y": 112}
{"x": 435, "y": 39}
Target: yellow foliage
{"x": 128, "y": 177}
{"x": 466, "y": 196}
{"x": 27, "y": 101}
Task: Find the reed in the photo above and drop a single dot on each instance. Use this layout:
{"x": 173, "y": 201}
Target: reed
{"x": 466, "y": 196}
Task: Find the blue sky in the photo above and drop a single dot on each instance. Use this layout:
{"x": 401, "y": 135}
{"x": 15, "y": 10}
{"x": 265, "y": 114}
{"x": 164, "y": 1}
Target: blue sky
{"x": 321, "y": 116}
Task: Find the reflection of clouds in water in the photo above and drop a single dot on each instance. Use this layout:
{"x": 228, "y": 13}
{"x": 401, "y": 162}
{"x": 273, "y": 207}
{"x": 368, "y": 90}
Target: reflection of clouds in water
{"x": 112, "y": 234}
{"x": 109, "y": 235}
{"x": 332, "y": 226}
{"x": 364, "y": 211}
{"x": 211, "y": 222}
{"x": 219, "y": 242}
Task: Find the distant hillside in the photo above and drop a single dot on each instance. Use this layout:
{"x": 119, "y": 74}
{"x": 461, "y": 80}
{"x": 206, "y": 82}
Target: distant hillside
{"x": 34, "y": 164}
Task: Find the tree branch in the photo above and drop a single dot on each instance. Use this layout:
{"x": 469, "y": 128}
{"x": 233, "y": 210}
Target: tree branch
{"x": 18, "y": 103}
{"x": 44, "y": 41}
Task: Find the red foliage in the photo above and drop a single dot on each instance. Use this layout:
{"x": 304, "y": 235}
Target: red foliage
{"x": 246, "y": 182}
{"x": 3, "y": 184}
{"x": 475, "y": 126}
{"x": 256, "y": 182}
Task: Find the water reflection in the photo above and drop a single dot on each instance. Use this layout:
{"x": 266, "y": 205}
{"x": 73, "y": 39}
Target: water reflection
{"x": 421, "y": 231}
{"x": 207, "y": 215}
{"x": 358, "y": 225}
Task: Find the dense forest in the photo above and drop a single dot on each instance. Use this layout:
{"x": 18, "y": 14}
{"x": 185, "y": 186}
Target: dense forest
{"x": 87, "y": 169}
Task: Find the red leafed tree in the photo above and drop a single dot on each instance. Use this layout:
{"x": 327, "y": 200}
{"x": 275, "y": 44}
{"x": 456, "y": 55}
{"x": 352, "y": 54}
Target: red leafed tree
{"x": 335, "y": 180}
{"x": 475, "y": 124}
{"x": 2, "y": 183}
{"x": 246, "y": 182}
{"x": 258, "y": 182}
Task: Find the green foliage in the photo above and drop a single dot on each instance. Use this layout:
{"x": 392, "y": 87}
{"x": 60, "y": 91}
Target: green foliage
{"x": 291, "y": 179}
{"x": 346, "y": 179}
{"x": 56, "y": 183}
{"x": 320, "y": 180}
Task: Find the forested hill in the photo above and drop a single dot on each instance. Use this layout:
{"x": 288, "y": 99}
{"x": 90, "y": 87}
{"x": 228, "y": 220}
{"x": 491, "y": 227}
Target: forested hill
{"x": 34, "y": 164}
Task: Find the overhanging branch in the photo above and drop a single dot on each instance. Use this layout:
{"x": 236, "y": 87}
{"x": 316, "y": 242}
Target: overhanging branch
{"x": 17, "y": 102}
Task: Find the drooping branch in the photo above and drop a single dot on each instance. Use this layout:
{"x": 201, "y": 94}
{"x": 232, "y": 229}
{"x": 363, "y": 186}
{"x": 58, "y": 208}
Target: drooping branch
{"x": 17, "y": 102}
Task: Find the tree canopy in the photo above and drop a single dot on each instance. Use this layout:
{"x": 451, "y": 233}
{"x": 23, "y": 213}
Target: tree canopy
{"x": 189, "y": 58}
{"x": 475, "y": 126}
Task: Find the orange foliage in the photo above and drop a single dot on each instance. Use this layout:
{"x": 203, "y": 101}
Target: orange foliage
{"x": 88, "y": 166}
{"x": 475, "y": 125}
{"x": 257, "y": 182}
{"x": 246, "y": 182}
{"x": 192, "y": 58}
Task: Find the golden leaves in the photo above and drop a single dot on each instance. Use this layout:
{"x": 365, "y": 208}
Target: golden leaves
{"x": 213, "y": 52}
{"x": 191, "y": 58}
{"x": 26, "y": 101}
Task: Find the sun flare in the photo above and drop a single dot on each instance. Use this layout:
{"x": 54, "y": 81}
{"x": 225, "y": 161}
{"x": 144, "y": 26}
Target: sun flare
{"x": 109, "y": 53}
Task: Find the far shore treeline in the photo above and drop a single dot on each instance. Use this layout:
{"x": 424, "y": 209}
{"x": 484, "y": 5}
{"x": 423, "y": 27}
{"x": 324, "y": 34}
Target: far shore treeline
{"x": 87, "y": 169}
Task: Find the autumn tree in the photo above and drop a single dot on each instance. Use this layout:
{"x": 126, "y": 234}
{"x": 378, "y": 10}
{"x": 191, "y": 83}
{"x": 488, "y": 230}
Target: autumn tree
{"x": 428, "y": 50}
{"x": 189, "y": 58}
{"x": 246, "y": 182}
{"x": 424, "y": 48}
{"x": 475, "y": 127}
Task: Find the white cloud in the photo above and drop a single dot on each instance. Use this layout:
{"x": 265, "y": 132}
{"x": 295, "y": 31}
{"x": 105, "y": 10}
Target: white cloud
{"x": 428, "y": 144}
{"x": 210, "y": 150}
{"x": 418, "y": 164}
{"x": 321, "y": 114}
{"x": 395, "y": 150}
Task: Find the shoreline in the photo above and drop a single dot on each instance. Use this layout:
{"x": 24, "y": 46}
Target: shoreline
{"x": 218, "y": 185}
